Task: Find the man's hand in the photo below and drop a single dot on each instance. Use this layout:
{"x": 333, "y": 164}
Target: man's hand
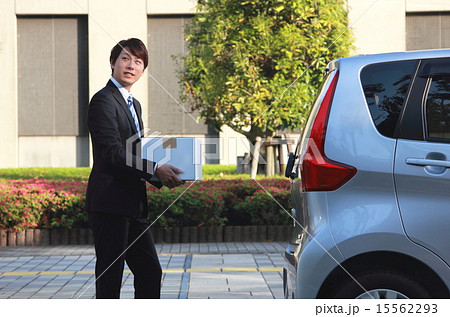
{"x": 168, "y": 175}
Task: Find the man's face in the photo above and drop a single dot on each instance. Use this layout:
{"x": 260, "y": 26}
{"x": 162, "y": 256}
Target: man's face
{"x": 127, "y": 68}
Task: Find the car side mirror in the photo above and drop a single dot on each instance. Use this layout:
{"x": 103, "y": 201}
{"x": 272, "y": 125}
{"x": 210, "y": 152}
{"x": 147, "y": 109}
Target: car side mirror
{"x": 290, "y": 166}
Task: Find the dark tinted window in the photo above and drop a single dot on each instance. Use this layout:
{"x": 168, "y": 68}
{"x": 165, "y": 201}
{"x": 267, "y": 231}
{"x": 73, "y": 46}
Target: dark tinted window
{"x": 385, "y": 87}
{"x": 438, "y": 107}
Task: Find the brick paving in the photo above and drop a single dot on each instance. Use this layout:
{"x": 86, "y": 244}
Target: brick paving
{"x": 192, "y": 270}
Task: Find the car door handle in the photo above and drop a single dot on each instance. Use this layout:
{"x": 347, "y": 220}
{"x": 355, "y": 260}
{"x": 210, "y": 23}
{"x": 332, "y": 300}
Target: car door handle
{"x": 427, "y": 162}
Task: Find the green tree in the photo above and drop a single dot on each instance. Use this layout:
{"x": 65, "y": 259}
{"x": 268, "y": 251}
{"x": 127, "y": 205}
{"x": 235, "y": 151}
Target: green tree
{"x": 256, "y": 65}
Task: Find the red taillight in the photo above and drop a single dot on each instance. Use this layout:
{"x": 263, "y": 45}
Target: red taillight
{"x": 319, "y": 173}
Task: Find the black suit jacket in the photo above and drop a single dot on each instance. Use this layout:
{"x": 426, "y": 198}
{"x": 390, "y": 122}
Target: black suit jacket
{"x": 117, "y": 180}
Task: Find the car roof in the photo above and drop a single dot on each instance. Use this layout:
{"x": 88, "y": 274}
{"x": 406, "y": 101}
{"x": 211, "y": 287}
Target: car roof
{"x": 440, "y": 53}
{"x": 362, "y": 60}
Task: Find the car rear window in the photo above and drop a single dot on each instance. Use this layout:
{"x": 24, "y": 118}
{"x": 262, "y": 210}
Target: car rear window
{"x": 385, "y": 87}
{"x": 437, "y": 105}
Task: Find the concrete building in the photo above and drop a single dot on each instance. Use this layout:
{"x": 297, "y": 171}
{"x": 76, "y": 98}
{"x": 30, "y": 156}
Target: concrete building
{"x": 54, "y": 57}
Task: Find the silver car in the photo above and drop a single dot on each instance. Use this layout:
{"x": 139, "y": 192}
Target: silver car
{"x": 370, "y": 182}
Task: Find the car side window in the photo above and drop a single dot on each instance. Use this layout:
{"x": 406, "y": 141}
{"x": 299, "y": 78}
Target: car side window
{"x": 437, "y": 108}
{"x": 385, "y": 87}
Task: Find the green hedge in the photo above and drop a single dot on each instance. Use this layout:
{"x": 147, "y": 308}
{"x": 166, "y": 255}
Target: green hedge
{"x": 209, "y": 171}
{"x": 44, "y": 203}
{"x": 51, "y": 173}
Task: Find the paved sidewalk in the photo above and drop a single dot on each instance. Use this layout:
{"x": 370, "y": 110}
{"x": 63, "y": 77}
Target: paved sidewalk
{"x": 200, "y": 270}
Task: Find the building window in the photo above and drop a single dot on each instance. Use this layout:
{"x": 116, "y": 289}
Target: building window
{"x": 52, "y": 75}
{"x": 427, "y": 30}
{"x": 166, "y": 42}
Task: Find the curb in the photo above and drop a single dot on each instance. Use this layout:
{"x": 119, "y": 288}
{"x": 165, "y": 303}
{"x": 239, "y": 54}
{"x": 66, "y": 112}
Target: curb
{"x": 77, "y": 236}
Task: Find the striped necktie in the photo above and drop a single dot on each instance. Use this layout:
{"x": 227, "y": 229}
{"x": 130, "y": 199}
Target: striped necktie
{"x": 133, "y": 113}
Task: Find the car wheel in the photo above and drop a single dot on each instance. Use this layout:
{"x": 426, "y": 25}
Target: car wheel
{"x": 380, "y": 285}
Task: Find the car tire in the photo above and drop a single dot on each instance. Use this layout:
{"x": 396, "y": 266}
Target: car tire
{"x": 380, "y": 285}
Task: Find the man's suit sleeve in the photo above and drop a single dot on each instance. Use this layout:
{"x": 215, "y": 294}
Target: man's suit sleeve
{"x": 103, "y": 124}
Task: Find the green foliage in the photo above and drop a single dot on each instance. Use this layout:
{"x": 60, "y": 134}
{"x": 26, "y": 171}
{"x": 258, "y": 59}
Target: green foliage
{"x": 244, "y": 204}
{"x": 210, "y": 171}
{"x": 36, "y": 203}
{"x": 216, "y": 171}
{"x": 267, "y": 208}
{"x": 54, "y": 173}
{"x": 220, "y": 202}
{"x": 196, "y": 207}
{"x": 258, "y": 64}
{"x": 33, "y": 203}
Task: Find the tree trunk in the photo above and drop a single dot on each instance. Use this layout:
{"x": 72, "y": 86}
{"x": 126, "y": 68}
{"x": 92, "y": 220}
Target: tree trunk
{"x": 255, "y": 156}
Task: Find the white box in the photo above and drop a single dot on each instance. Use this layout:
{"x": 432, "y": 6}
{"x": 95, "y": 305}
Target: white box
{"x": 183, "y": 153}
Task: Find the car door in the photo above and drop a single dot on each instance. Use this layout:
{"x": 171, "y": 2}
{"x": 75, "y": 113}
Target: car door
{"x": 422, "y": 159}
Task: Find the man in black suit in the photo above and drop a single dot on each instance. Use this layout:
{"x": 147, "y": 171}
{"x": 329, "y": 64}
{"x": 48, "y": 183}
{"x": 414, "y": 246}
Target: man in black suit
{"x": 116, "y": 198}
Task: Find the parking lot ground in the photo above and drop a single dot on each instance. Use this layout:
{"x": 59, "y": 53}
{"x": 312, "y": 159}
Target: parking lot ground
{"x": 228, "y": 270}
